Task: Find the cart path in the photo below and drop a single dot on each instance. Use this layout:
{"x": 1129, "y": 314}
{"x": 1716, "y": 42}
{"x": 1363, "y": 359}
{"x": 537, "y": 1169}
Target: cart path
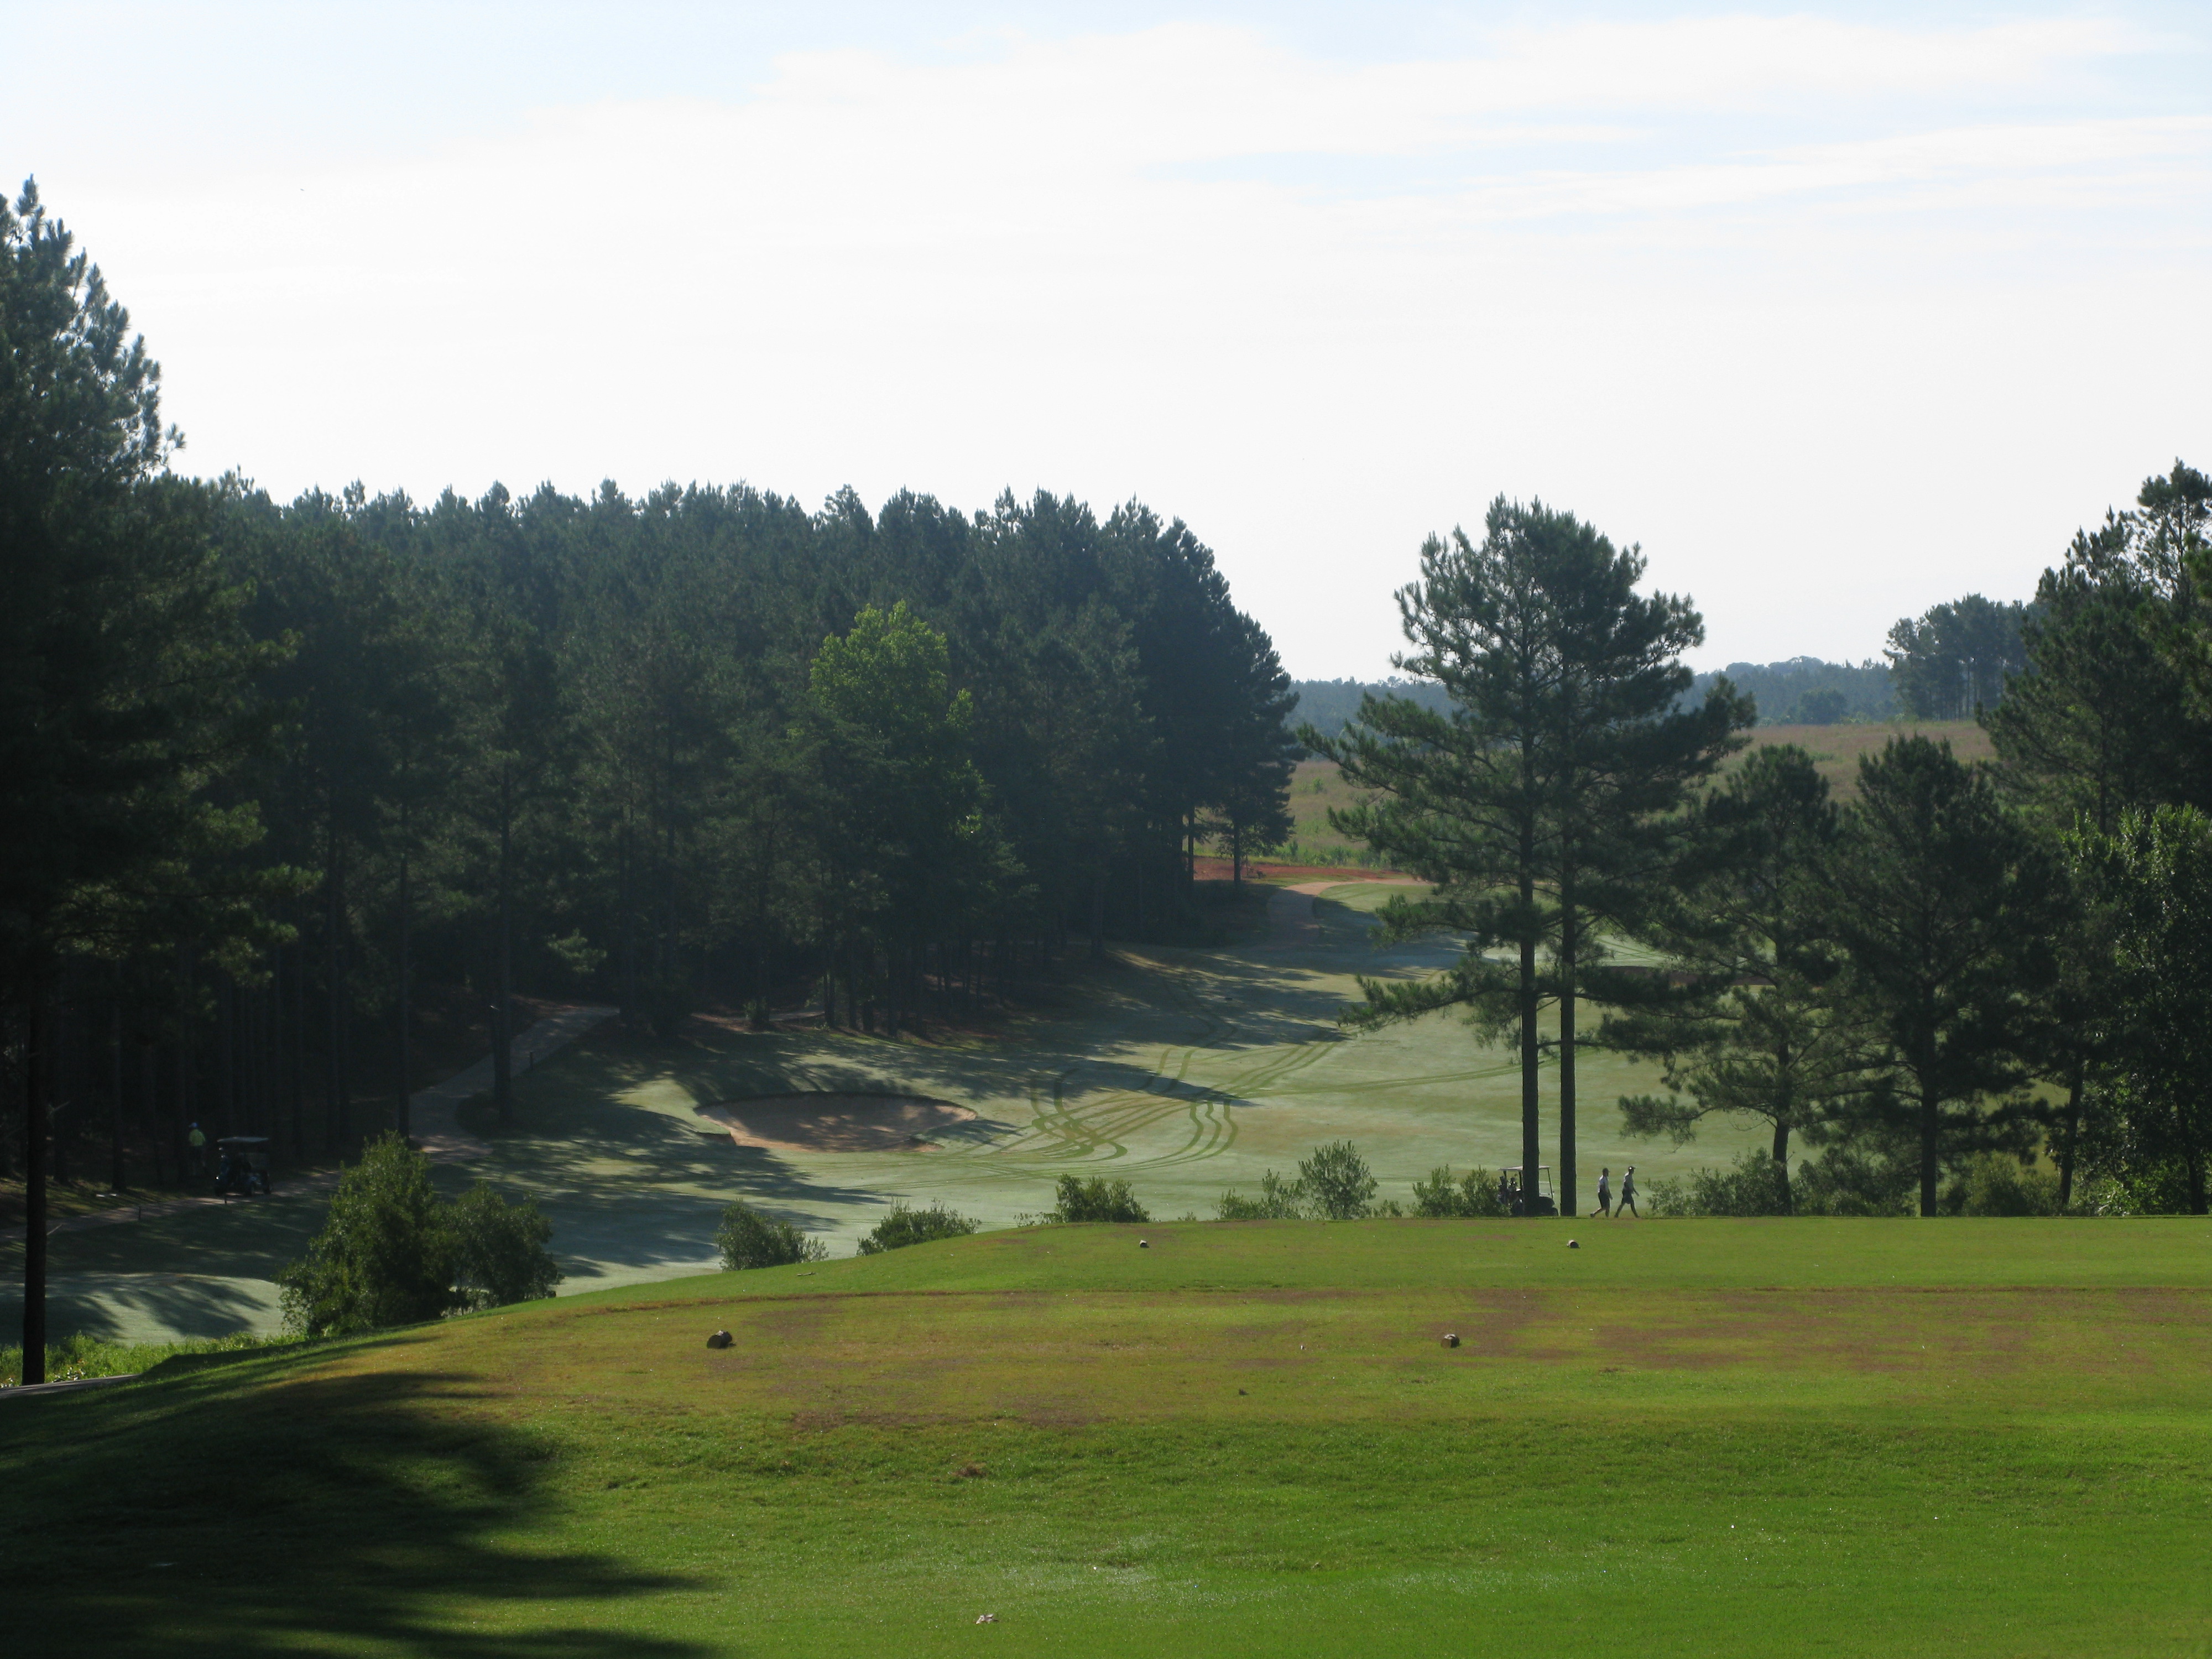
{"x": 431, "y": 1121}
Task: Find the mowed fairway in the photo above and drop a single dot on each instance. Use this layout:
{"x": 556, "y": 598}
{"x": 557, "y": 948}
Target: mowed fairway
{"x": 1696, "y": 1437}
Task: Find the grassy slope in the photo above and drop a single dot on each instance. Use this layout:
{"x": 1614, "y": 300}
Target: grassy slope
{"x": 1698, "y": 1437}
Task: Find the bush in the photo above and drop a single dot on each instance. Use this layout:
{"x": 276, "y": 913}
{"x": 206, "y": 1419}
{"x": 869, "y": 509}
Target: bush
{"x": 1279, "y": 1200}
{"x": 1096, "y": 1199}
{"x": 500, "y": 1255}
{"x": 384, "y": 1256}
{"x": 1336, "y": 1181}
{"x": 1994, "y": 1184}
{"x": 1860, "y": 1183}
{"x": 1334, "y": 1184}
{"x": 1750, "y": 1186}
{"x": 1473, "y": 1194}
{"x": 903, "y": 1227}
{"x": 748, "y": 1239}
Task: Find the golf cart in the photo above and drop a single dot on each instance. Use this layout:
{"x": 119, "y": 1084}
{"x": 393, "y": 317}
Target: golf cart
{"x": 242, "y": 1165}
{"x": 1518, "y": 1200}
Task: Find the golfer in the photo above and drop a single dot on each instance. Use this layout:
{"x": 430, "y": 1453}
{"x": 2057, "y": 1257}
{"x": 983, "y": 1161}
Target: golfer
{"x": 1628, "y": 1195}
{"x": 1604, "y": 1194}
{"x": 198, "y": 1142}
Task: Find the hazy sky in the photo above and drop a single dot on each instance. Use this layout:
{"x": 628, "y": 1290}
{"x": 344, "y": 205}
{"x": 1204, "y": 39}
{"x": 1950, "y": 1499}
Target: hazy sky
{"x": 1840, "y": 312}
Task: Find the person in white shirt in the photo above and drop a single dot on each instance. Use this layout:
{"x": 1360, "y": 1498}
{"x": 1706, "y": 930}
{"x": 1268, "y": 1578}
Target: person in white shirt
{"x": 1628, "y": 1195}
{"x": 1604, "y": 1194}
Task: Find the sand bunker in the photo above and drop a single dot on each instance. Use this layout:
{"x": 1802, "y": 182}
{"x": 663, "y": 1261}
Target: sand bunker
{"x": 838, "y": 1123}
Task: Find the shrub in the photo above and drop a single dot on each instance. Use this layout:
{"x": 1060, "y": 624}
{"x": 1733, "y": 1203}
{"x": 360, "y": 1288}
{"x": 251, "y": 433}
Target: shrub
{"x": 1750, "y": 1186}
{"x": 500, "y": 1255}
{"x": 384, "y": 1256}
{"x": 1475, "y": 1194}
{"x": 1279, "y": 1200}
{"x": 1994, "y": 1184}
{"x": 1846, "y": 1181}
{"x": 1843, "y": 1182}
{"x": 1336, "y": 1181}
{"x": 903, "y": 1226}
{"x": 748, "y": 1239}
{"x": 1096, "y": 1199}
{"x": 1334, "y": 1184}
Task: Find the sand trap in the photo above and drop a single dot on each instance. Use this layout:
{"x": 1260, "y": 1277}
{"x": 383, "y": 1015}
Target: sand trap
{"x": 838, "y": 1123}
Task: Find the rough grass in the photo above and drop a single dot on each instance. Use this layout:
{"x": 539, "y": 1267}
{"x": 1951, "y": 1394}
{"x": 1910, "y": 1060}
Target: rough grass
{"x": 1824, "y": 1437}
{"x": 1836, "y": 748}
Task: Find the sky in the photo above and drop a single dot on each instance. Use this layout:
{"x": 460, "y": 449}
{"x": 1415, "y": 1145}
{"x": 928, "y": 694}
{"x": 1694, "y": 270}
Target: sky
{"x": 1839, "y": 314}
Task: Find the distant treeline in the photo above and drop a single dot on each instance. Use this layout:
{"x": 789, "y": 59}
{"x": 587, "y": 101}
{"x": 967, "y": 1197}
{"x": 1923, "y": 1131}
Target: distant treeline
{"x": 1941, "y": 666}
{"x": 1332, "y": 705}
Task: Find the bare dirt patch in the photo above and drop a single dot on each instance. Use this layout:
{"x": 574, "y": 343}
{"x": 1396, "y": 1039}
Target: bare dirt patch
{"x": 837, "y": 1122}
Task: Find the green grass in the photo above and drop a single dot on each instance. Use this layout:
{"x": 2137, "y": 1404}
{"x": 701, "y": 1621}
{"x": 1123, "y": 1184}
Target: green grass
{"x": 1698, "y": 1437}
{"x": 77, "y": 1357}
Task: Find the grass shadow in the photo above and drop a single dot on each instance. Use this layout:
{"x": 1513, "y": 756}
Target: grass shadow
{"x": 216, "y": 1514}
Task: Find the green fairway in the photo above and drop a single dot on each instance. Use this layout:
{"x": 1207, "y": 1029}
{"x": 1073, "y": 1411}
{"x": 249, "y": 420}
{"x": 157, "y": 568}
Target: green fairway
{"x": 1700, "y": 1438}
{"x": 1183, "y": 1071}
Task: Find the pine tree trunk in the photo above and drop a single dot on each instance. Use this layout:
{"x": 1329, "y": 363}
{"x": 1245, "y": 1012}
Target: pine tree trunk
{"x": 628, "y": 928}
{"x": 150, "y": 1099}
{"x": 1569, "y": 1203}
{"x": 118, "y": 1176}
{"x": 1929, "y": 1132}
{"x": 2070, "y": 1140}
{"x": 403, "y": 1118}
{"x": 1532, "y": 1148}
{"x": 502, "y": 1056}
{"x": 296, "y": 1075}
{"x": 1782, "y": 1166}
{"x": 36, "y": 1063}
{"x": 334, "y": 995}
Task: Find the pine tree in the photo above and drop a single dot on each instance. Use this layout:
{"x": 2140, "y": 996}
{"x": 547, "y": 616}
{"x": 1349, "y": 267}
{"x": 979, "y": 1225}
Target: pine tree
{"x": 1542, "y": 804}
{"x": 122, "y": 665}
{"x": 1945, "y": 904}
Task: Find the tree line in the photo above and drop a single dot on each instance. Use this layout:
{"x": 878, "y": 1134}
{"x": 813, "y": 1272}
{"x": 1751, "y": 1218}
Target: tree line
{"x": 2001, "y": 960}
{"x": 1944, "y": 664}
{"x": 283, "y": 779}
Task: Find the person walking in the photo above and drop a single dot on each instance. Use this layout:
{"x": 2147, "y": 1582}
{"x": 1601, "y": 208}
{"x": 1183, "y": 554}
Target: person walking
{"x": 1628, "y": 1195}
{"x": 1604, "y": 1194}
{"x": 198, "y": 1142}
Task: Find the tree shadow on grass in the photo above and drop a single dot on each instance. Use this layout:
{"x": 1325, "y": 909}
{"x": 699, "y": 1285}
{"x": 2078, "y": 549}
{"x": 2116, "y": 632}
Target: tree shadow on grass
{"x": 208, "y": 1515}
{"x": 117, "y": 1305}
